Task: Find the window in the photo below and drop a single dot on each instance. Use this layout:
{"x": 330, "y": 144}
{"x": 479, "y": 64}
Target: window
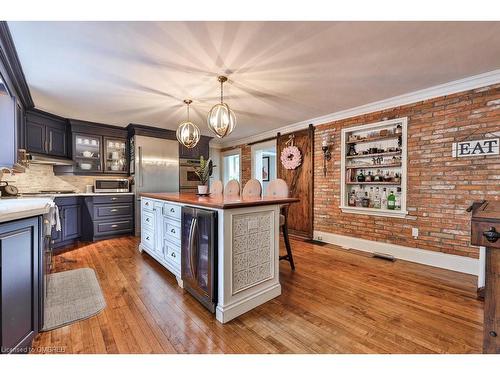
{"x": 231, "y": 166}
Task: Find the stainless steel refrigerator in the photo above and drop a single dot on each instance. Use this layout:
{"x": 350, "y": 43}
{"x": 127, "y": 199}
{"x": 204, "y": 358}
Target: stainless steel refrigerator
{"x": 155, "y": 169}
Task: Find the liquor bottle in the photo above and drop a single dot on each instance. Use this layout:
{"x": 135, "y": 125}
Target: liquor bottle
{"x": 391, "y": 201}
{"x": 376, "y": 199}
{"x": 371, "y": 196}
{"x": 359, "y": 197}
{"x": 398, "y": 198}
{"x": 383, "y": 199}
{"x": 368, "y": 177}
{"x": 361, "y": 176}
{"x": 365, "y": 201}
{"x": 352, "y": 198}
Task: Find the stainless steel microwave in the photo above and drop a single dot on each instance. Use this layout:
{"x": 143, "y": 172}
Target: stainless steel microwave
{"x": 111, "y": 185}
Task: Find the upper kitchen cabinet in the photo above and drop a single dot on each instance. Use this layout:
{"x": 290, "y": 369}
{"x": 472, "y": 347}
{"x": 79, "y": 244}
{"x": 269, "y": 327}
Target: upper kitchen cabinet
{"x": 46, "y": 134}
{"x": 201, "y": 149}
{"x": 97, "y": 149}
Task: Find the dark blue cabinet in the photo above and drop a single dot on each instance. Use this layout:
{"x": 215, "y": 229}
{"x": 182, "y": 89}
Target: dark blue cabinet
{"x": 46, "y": 134}
{"x": 20, "y": 252}
{"x": 71, "y": 221}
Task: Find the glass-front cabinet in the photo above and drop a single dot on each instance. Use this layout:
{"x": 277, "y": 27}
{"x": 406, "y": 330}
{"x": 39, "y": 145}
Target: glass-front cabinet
{"x": 115, "y": 155}
{"x": 87, "y": 153}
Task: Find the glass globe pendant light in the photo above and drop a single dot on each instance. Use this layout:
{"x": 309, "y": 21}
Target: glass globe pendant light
{"x": 221, "y": 120}
{"x": 188, "y": 133}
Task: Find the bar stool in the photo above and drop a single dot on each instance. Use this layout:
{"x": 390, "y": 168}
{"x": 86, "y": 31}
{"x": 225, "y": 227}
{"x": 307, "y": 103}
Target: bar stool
{"x": 216, "y": 187}
{"x": 252, "y": 189}
{"x": 279, "y": 189}
{"x": 232, "y": 189}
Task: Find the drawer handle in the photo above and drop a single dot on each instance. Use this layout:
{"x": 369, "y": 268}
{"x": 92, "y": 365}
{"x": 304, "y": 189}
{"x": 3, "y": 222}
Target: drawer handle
{"x": 173, "y": 255}
{"x": 114, "y": 226}
{"x": 172, "y": 210}
{"x": 114, "y": 199}
{"x": 114, "y": 209}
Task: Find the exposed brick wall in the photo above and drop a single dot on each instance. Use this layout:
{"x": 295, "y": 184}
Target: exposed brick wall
{"x": 440, "y": 187}
{"x": 246, "y": 162}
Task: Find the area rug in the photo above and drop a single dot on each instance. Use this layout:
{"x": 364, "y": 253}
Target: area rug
{"x": 71, "y": 296}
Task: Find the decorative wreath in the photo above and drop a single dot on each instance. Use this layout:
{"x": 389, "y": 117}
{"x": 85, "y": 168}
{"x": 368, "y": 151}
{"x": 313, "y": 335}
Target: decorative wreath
{"x": 291, "y": 157}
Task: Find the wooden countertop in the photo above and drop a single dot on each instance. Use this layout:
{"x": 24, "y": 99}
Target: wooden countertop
{"x": 217, "y": 201}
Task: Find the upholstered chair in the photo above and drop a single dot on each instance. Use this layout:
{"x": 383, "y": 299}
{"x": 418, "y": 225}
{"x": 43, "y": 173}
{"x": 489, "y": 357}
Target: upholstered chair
{"x": 216, "y": 188}
{"x": 279, "y": 189}
{"x": 232, "y": 189}
{"x": 252, "y": 189}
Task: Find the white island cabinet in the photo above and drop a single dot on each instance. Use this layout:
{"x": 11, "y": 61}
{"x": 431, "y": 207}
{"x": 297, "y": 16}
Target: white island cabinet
{"x": 247, "y": 245}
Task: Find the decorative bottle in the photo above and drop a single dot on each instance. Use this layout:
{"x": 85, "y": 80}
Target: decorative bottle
{"x": 391, "y": 201}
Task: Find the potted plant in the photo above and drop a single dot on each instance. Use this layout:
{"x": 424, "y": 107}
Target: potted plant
{"x": 204, "y": 171}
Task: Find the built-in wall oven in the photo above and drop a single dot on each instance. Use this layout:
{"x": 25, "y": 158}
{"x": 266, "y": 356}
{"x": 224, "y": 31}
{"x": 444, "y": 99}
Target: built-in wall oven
{"x": 188, "y": 180}
{"x": 199, "y": 254}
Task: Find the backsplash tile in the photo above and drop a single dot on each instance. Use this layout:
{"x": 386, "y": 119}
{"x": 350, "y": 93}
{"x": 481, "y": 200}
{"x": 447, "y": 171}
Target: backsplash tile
{"x": 41, "y": 177}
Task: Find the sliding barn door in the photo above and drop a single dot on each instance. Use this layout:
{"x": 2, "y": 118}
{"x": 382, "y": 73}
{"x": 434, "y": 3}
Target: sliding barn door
{"x": 300, "y": 181}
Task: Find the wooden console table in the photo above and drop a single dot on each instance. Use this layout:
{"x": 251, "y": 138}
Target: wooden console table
{"x": 485, "y": 231}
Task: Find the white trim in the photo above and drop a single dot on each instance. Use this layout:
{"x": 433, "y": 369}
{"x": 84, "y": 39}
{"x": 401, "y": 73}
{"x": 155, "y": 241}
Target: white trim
{"x": 430, "y": 258}
{"x": 465, "y": 84}
{"x": 234, "y": 151}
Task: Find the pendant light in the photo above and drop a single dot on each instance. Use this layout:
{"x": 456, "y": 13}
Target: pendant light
{"x": 188, "y": 133}
{"x": 221, "y": 119}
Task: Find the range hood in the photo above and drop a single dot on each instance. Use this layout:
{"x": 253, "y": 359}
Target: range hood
{"x": 42, "y": 159}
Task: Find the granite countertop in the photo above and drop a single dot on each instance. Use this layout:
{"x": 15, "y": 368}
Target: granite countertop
{"x": 219, "y": 202}
{"x": 13, "y": 209}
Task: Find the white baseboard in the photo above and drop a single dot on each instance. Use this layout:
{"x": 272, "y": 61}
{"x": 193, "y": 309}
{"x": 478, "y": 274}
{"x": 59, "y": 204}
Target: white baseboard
{"x": 430, "y": 258}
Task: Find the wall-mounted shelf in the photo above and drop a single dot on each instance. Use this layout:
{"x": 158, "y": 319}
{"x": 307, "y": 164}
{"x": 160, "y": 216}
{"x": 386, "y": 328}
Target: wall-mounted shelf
{"x": 390, "y": 163}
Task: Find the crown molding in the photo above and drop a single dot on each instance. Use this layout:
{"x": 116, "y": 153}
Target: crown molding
{"x": 453, "y": 87}
{"x": 10, "y": 60}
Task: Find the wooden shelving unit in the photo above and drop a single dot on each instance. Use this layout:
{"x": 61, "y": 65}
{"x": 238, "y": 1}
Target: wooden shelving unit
{"x": 389, "y": 163}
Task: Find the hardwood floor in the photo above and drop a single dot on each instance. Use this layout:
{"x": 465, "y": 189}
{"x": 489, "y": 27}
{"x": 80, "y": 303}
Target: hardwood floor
{"x": 337, "y": 301}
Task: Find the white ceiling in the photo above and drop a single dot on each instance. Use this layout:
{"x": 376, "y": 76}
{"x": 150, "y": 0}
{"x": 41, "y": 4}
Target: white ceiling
{"x": 279, "y": 72}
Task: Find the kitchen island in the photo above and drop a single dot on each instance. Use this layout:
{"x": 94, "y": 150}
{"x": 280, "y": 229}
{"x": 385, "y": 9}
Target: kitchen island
{"x": 223, "y": 251}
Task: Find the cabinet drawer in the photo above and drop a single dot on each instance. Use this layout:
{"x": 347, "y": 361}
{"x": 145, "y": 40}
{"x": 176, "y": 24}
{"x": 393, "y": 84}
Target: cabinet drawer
{"x": 105, "y": 211}
{"x": 172, "y": 254}
{"x": 148, "y": 220}
{"x": 99, "y": 199}
{"x": 172, "y": 230}
{"x": 66, "y": 201}
{"x": 112, "y": 227}
{"x": 147, "y": 204}
{"x": 147, "y": 238}
{"x": 172, "y": 210}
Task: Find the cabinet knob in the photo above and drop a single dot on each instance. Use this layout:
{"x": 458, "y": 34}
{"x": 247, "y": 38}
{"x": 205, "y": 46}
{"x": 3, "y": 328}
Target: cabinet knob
{"x": 147, "y": 219}
{"x": 173, "y": 255}
{"x": 493, "y": 334}
{"x": 147, "y": 238}
{"x": 172, "y": 230}
{"x": 172, "y": 210}
{"x": 491, "y": 235}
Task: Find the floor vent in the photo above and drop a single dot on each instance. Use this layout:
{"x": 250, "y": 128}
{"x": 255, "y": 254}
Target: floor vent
{"x": 316, "y": 242}
{"x": 384, "y": 256}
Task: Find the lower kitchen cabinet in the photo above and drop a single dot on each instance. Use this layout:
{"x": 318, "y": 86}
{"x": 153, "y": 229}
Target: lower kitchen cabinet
{"x": 161, "y": 233}
{"x": 106, "y": 216}
{"x": 70, "y": 214}
{"x": 20, "y": 253}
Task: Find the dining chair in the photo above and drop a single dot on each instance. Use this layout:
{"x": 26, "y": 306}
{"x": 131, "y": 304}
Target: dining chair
{"x": 279, "y": 189}
{"x": 232, "y": 189}
{"x": 216, "y": 187}
{"x": 252, "y": 189}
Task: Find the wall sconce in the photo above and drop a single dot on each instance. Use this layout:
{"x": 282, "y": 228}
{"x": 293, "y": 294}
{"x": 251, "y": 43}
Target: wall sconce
{"x": 327, "y": 155}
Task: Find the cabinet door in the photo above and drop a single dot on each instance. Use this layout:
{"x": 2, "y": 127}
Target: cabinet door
{"x": 71, "y": 225}
{"x": 87, "y": 153}
{"x": 158, "y": 235}
{"x": 56, "y": 140}
{"x": 115, "y": 155}
{"x": 36, "y": 137}
{"x": 19, "y": 267}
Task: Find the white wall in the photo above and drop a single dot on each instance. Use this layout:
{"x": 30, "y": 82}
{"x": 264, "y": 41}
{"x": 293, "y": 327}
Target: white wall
{"x": 214, "y": 154}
